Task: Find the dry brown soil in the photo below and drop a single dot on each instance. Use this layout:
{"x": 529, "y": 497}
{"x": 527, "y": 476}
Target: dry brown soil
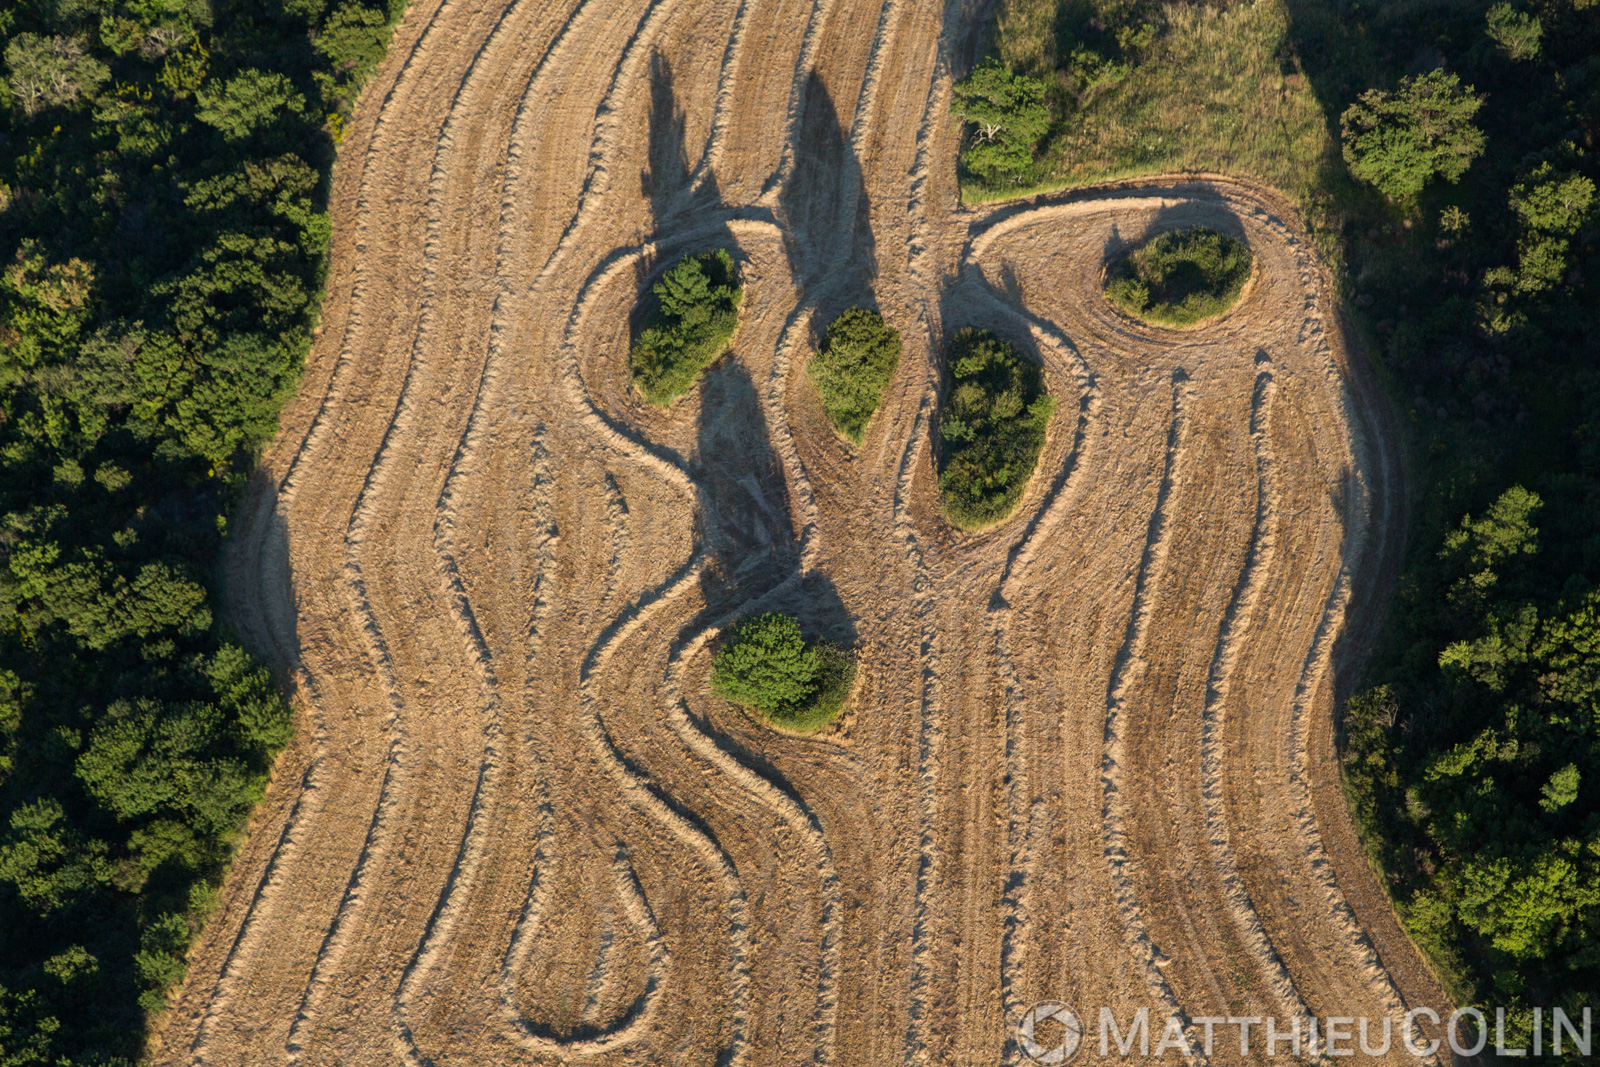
{"x": 1090, "y": 758}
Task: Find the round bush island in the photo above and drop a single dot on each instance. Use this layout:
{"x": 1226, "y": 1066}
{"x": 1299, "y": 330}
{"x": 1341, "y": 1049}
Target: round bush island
{"x": 1180, "y": 277}
{"x": 852, "y": 368}
{"x": 991, "y": 428}
{"x": 795, "y": 685}
{"x": 696, "y": 312}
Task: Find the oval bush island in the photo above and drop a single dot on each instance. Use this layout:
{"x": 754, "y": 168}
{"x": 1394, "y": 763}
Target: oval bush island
{"x": 853, "y": 367}
{"x": 795, "y": 685}
{"x": 1180, "y": 277}
{"x": 696, "y": 312}
{"x": 991, "y": 429}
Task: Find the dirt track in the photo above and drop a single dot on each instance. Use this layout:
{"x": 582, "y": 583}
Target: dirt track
{"x": 1091, "y": 755}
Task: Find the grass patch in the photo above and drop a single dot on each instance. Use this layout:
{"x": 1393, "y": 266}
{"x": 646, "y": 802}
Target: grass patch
{"x": 1179, "y": 88}
{"x": 696, "y": 313}
{"x": 794, "y": 684}
{"x": 853, "y": 367}
{"x": 1180, "y": 277}
{"x": 991, "y": 429}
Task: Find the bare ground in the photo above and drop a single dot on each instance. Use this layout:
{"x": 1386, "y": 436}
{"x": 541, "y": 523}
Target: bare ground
{"x": 1091, "y": 754}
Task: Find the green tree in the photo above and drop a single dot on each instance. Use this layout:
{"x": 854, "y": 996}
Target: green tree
{"x": 354, "y": 38}
{"x": 28, "y": 1033}
{"x": 1561, "y": 789}
{"x": 1478, "y": 547}
{"x": 250, "y": 700}
{"x": 158, "y": 292}
{"x": 13, "y": 694}
{"x": 686, "y": 293}
{"x": 46, "y": 861}
{"x": 696, "y": 314}
{"x": 160, "y": 961}
{"x": 251, "y": 100}
{"x": 767, "y": 665}
{"x": 51, "y": 72}
{"x": 1181, "y": 276}
{"x": 1517, "y": 35}
{"x": 1400, "y": 141}
{"x": 1008, "y": 117}
{"x": 1527, "y": 907}
{"x": 95, "y": 603}
{"x": 145, "y": 757}
{"x": 44, "y": 306}
{"x": 853, "y": 367}
{"x": 991, "y": 428}
{"x": 1552, "y": 206}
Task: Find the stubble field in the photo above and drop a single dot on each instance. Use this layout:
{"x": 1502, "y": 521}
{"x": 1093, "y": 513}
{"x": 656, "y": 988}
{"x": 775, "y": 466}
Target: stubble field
{"x": 1090, "y": 755}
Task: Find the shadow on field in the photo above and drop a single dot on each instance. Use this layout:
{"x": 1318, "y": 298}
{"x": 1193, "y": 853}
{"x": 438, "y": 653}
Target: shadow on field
{"x": 257, "y": 554}
{"x": 824, "y": 203}
{"x": 745, "y": 513}
{"x": 677, "y": 203}
{"x": 668, "y": 178}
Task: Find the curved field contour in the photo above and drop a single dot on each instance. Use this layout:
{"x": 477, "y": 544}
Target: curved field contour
{"x": 1090, "y": 754}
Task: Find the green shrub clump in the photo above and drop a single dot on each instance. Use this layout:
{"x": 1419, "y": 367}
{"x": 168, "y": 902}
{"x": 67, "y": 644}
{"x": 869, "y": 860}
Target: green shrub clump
{"x": 689, "y": 330}
{"x": 853, "y": 367}
{"x": 768, "y": 665}
{"x": 992, "y": 428}
{"x": 1180, "y": 277}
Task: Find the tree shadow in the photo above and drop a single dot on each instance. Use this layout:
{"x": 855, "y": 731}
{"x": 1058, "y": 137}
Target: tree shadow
{"x": 1337, "y": 66}
{"x": 256, "y": 556}
{"x": 668, "y": 180}
{"x": 677, "y": 199}
{"x": 1115, "y": 246}
{"x": 745, "y": 517}
{"x": 824, "y": 202}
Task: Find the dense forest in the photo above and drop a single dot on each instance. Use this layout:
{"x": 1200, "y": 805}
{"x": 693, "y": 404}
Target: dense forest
{"x": 1445, "y": 154}
{"x": 163, "y": 240}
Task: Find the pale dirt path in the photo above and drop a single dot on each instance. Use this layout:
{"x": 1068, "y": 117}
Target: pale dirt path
{"x": 1090, "y": 756}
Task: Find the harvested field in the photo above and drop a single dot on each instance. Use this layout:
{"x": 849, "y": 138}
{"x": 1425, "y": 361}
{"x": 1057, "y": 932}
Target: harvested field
{"x": 1090, "y": 754}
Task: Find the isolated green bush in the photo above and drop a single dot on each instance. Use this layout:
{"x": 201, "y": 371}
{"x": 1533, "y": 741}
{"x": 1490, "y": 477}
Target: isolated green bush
{"x": 1180, "y": 277}
{"x": 1399, "y": 141}
{"x": 1008, "y": 116}
{"x": 853, "y": 367}
{"x": 768, "y": 665}
{"x": 991, "y": 429}
{"x": 689, "y": 330}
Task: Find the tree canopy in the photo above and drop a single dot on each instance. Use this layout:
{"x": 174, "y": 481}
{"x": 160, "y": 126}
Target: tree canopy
{"x": 1516, "y": 33}
{"x": 162, "y": 173}
{"x": 1498, "y": 786}
{"x": 697, "y": 310}
{"x": 853, "y": 367}
{"x": 1399, "y": 141}
{"x": 767, "y": 664}
{"x": 1180, "y": 277}
{"x": 1008, "y": 116}
{"x": 991, "y": 428}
